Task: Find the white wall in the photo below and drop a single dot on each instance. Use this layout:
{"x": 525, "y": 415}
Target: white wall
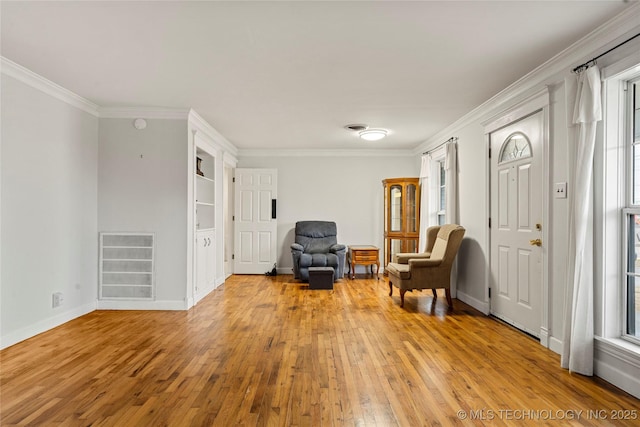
{"x": 347, "y": 190}
{"x": 142, "y": 187}
{"x": 472, "y": 180}
{"x": 561, "y": 170}
{"x": 49, "y": 211}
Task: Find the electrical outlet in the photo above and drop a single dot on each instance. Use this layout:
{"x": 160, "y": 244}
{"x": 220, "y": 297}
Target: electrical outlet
{"x": 57, "y": 299}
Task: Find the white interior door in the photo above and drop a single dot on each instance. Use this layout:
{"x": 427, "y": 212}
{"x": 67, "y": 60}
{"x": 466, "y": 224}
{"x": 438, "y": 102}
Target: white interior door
{"x": 255, "y": 223}
{"x": 228, "y": 214}
{"x": 516, "y": 223}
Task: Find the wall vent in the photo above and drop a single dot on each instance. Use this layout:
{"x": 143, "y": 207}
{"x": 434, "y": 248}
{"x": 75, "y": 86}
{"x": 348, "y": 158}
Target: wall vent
{"x": 127, "y": 266}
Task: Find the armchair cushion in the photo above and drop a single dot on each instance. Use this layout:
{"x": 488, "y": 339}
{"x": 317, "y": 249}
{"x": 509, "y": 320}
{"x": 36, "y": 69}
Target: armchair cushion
{"x": 439, "y": 248}
{"x": 400, "y": 270}
{"x": 306, "y": 260}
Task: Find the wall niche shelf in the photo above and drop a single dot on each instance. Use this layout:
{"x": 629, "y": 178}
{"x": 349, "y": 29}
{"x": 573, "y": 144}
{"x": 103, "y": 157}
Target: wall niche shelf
{"x": 205, "y": 191}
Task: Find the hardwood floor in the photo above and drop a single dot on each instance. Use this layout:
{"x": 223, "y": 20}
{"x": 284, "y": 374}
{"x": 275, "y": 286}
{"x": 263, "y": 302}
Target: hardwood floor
{"x": 268, "y": 351}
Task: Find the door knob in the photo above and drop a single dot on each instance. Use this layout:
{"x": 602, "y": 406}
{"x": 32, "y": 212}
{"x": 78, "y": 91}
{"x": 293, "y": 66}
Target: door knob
{"x": 535, "y": 242}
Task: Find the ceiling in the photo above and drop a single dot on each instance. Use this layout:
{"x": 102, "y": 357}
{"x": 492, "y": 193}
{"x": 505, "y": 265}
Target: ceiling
{"x": 291, "y": 75}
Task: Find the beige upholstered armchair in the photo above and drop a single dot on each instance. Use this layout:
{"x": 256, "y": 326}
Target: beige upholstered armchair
{"x": 430, "y": 269}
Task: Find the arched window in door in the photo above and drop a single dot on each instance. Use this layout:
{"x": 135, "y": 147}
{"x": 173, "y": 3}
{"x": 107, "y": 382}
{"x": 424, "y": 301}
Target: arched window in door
{"x": 516, "y": 146}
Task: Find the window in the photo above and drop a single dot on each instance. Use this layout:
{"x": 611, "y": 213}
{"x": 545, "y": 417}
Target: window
{"x": 631, "y": 212}
{"x": 516, "y": 146}
{"x": 436, "y": 207}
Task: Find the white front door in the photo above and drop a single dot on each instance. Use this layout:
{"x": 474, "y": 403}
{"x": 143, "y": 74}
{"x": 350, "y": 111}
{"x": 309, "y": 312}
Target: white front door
{"x": 255, "y": 220}
{"x": 516, "y": 223}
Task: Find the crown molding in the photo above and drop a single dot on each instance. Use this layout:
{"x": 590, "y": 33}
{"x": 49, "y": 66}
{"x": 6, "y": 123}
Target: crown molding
{"x": 143, "y": 112}
{"x": 202, "y": 125}
{"x": 517, "y": 111}
{"x": 552, "y": 71}
{"x": 323, "y": 153}
{"x": 229, "y": 159}
{"x": 36, "y": 81}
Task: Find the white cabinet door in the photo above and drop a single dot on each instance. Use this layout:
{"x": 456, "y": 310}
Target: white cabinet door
{"x": 205, "y": 261}
{"x": 210, "y": 272}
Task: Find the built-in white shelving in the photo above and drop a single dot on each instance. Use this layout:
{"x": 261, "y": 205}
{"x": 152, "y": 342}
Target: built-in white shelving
{"x": 205, "y": 190}
{"x": 205, "y": 207}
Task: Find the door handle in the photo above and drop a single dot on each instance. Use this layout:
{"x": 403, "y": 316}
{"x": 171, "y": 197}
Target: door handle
{"x": 535, "y": 242}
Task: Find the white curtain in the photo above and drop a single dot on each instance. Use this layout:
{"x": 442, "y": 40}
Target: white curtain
{"x": 451, "y": 201}
{"x": 577, "y": 352}
{"x": 425, "y": 172}
{"x": 451, "y": 196}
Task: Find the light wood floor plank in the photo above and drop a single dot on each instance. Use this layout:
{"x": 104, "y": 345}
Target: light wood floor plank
{"x": 267, "y": 351}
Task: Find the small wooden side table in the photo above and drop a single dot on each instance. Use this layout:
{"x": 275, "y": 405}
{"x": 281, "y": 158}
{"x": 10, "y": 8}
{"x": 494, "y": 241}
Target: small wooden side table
{"x": 364, "y": 255}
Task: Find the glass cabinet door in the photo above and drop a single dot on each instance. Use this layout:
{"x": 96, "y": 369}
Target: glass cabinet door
{"x": 412, "y": 220}
{"x": 395, "y": 248}
{"x": 396, "y": 208}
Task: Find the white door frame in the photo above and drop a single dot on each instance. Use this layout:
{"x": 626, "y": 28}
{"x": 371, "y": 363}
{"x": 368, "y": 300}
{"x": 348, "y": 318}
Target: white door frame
{"x": 533, "y": 104}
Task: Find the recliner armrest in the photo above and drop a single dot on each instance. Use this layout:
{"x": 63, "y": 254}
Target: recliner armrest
{"x": 404, "y": 257}
{"x": 337, "y": 248}
{"x": 297, "y": 247}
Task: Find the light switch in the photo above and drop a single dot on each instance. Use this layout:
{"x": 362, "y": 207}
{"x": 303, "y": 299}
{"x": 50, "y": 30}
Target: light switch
{"x": 560, "y": 190}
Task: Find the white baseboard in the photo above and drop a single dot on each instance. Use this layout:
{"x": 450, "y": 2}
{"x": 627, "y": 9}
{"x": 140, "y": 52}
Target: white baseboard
{"x": 287, "y": 270}
{"x": 555, "y": 345}
{"x": 473, "y": 302}
{"x": 176, "y": 305}
{"x": 544, "y": 337}
{"x": 618, "y": 362}
{"x": 44, "y": 325}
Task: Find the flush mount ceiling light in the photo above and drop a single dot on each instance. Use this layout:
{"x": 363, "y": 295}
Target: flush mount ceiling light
{"x": 372, "y": 134}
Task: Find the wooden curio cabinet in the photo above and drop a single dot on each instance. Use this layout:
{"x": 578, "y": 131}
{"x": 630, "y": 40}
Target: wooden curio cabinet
{"x": 401, "y": 216}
